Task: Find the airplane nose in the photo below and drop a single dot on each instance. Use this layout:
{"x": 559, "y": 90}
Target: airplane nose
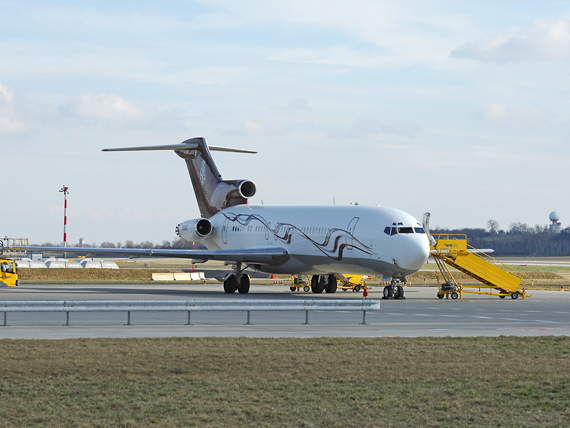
{"x": 416, "y": 252}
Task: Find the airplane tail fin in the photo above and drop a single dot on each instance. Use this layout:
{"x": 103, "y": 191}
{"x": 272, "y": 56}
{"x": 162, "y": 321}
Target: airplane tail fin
{"x": 212, "y": 193}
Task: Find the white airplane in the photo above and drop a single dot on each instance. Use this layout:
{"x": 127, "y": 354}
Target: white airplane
{"x": 322, "y": 241}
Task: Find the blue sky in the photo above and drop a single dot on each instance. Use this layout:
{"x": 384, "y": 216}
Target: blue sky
{"x": 454, "y": 107}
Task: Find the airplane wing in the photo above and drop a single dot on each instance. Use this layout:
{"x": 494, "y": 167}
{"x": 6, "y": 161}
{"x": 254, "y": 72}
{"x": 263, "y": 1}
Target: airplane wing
{"x": 264, "y": 256}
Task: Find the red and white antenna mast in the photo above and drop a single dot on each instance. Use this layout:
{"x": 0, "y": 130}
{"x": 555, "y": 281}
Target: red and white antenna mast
{"x": 65, "y": 191}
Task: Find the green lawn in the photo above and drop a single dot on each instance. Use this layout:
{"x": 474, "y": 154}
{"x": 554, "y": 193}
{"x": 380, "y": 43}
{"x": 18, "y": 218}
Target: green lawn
{"x": 332, "y": 382}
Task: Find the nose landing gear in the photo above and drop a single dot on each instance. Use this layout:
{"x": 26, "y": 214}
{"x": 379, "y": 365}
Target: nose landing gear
{"x": 394, "y": 290}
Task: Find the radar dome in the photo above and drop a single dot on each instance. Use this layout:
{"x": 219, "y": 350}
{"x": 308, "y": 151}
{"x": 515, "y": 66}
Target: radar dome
{"x": 554, "y": 217}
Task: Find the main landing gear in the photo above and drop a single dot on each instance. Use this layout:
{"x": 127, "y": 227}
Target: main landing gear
{"x": 394, "y": 290}
{"x": 320, "y": 283}
{"x": 237, "y": 281}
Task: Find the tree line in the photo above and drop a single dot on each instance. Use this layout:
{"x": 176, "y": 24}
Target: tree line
{"x": 519, "y": 239}
{"x": 176, "y": 244}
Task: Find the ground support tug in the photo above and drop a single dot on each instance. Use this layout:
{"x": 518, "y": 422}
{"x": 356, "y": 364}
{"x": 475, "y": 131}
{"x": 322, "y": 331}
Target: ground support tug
{"x": 345, "y": 282}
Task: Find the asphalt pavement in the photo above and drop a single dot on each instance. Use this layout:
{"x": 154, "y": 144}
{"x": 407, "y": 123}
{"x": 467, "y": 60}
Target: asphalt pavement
{"x": 420, "y": 314}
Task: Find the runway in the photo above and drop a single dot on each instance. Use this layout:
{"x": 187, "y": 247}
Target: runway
{"x": 420, "y": 314}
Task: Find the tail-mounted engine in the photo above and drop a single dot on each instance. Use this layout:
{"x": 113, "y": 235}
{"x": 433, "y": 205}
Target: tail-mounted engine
{"x": 212, "y": 193}
{"x": 194, "y": 230}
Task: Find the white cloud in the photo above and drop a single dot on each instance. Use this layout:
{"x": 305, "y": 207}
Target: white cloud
{"x": 104, "y": 106}
{"x": 295, "y": 105}
{"x": 9, "y": 120}
{"x": 496, "y": 114}
{"x": 494, "y": 111}
{"x": 6, "y": 95}
{"x": 543, "y": 42}
{"x": 252, "y": 127}
{"x": 333, "y": 55}
{"x": 298, "y": 104}
{"x": 384, "y": 130}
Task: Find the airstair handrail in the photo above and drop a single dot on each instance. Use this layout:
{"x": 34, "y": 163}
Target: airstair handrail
{"x": 495, "y": 261}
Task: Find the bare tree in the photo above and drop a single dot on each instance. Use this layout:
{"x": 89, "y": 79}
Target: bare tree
{"x": 493, "y": 226}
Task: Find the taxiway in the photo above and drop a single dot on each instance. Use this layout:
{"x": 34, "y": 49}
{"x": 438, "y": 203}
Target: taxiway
{"x": 420, "y": 314}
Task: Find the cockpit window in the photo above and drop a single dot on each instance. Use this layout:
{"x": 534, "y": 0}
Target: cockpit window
{"x": 395, "y": 229}
{"x": 405, "y": 229}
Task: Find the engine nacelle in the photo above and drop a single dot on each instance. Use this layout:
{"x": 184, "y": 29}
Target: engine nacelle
{"x": 246, "y": 188}
{"x": 194, "y": 230}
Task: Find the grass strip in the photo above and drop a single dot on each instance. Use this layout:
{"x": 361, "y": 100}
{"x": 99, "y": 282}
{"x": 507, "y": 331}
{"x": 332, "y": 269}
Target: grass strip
{"x": 337, "y": 382}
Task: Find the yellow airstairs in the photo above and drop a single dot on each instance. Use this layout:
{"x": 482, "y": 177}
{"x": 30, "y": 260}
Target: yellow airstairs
{"x": 497, "y": 278}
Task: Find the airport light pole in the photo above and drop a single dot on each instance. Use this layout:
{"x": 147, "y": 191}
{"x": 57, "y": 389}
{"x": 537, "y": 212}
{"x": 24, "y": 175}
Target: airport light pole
{"x": 65, "y": 191}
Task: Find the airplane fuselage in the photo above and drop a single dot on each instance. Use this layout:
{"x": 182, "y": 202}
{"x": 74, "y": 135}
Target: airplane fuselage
{"x": 352, "y": 239}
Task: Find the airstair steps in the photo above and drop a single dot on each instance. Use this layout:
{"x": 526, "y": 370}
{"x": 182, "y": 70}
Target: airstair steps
{"x": 499, "y": 278}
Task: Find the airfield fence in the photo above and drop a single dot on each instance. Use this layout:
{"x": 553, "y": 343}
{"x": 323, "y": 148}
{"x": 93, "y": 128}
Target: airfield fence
{"x": 189, "y": 306}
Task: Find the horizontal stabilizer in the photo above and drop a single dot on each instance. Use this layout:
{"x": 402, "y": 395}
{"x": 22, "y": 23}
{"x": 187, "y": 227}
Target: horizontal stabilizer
{"x": 186, "y": 145}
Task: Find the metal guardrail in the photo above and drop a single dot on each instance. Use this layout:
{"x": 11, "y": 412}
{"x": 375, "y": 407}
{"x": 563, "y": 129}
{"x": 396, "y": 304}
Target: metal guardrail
{"x": 189, "y": 306}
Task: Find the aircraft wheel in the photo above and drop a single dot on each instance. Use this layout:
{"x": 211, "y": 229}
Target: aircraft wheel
{"x": 331, "y": 284}
{"x": 388, "y": 292}
{"x": 317, "y": 283}
{"x": 398, "y": 292}
{"x": 454, "y": 295}
{"x": 230, "y": 285}
{"x": 515, "y": 295}
{"x": 244, "y": 284}
{"x": 357, "y": 288}
{"x": 292, "y": 288}
{"x": 321, "y": 285}
{"x": 440, "y": 295}
{"x": 306, "y": 288}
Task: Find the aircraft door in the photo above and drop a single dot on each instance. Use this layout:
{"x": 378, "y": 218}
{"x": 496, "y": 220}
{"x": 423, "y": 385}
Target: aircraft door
{"x": 350, "y": 236}
{"x": 225, "y": 231}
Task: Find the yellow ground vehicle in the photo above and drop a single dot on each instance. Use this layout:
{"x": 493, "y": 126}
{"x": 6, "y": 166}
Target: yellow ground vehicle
{"x": 300, "y": 281}
{"x": 352, "y": 282}
{"x": 8, "y": 273}
{"x": 345, "y": 282}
